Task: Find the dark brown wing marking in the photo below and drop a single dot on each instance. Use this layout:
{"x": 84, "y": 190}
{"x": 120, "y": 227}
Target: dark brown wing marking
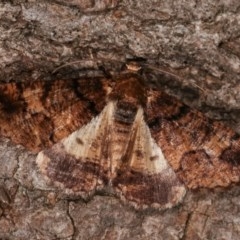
{"x": 38, "y": 114}
{"x": 203, "y": 152}
{"x": 80, "y": 163}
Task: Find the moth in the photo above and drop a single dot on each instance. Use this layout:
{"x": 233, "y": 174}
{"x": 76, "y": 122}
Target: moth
{"x": 95, "y": 135}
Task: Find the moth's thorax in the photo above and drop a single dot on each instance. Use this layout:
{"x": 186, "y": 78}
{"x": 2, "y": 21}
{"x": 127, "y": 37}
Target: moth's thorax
{"x": 131, "y": 90}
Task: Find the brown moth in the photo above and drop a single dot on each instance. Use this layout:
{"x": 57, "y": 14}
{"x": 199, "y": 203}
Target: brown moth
{"x": 95, "y": 134}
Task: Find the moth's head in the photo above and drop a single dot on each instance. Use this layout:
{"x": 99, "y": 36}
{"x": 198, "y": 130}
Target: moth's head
{"x": 130, "y": 88}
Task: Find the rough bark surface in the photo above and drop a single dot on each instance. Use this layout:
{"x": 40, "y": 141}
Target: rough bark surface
{"x": 198, "y": 41}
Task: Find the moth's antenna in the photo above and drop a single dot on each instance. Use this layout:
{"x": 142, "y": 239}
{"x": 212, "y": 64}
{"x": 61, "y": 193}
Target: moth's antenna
{"x": 87, "y": 60}
{"x": 71, "y": 63}
{"x": 170, "y": 74}
{"x": 132, "y": 65}
{"x": 160, "y": 70}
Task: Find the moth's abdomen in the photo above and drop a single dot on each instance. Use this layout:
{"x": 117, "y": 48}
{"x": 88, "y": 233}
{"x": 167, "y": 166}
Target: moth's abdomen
{"x": 122, "y": 128}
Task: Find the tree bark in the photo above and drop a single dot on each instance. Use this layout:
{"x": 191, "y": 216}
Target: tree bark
{"x": 195, "y": 42}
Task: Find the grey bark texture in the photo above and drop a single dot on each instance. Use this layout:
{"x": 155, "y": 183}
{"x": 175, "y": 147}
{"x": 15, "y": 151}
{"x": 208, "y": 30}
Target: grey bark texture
{"x": 197, "y": 41}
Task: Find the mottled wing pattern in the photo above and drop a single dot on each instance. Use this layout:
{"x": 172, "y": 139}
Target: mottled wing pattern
{"x": 37, "y": 114}
{"x": 80, "y": 162}
{"x": 203, "y": 152}
{"x": 144, "y": 177}
{"x": 145, "y": 146}
{"x": 107, "y": 153}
